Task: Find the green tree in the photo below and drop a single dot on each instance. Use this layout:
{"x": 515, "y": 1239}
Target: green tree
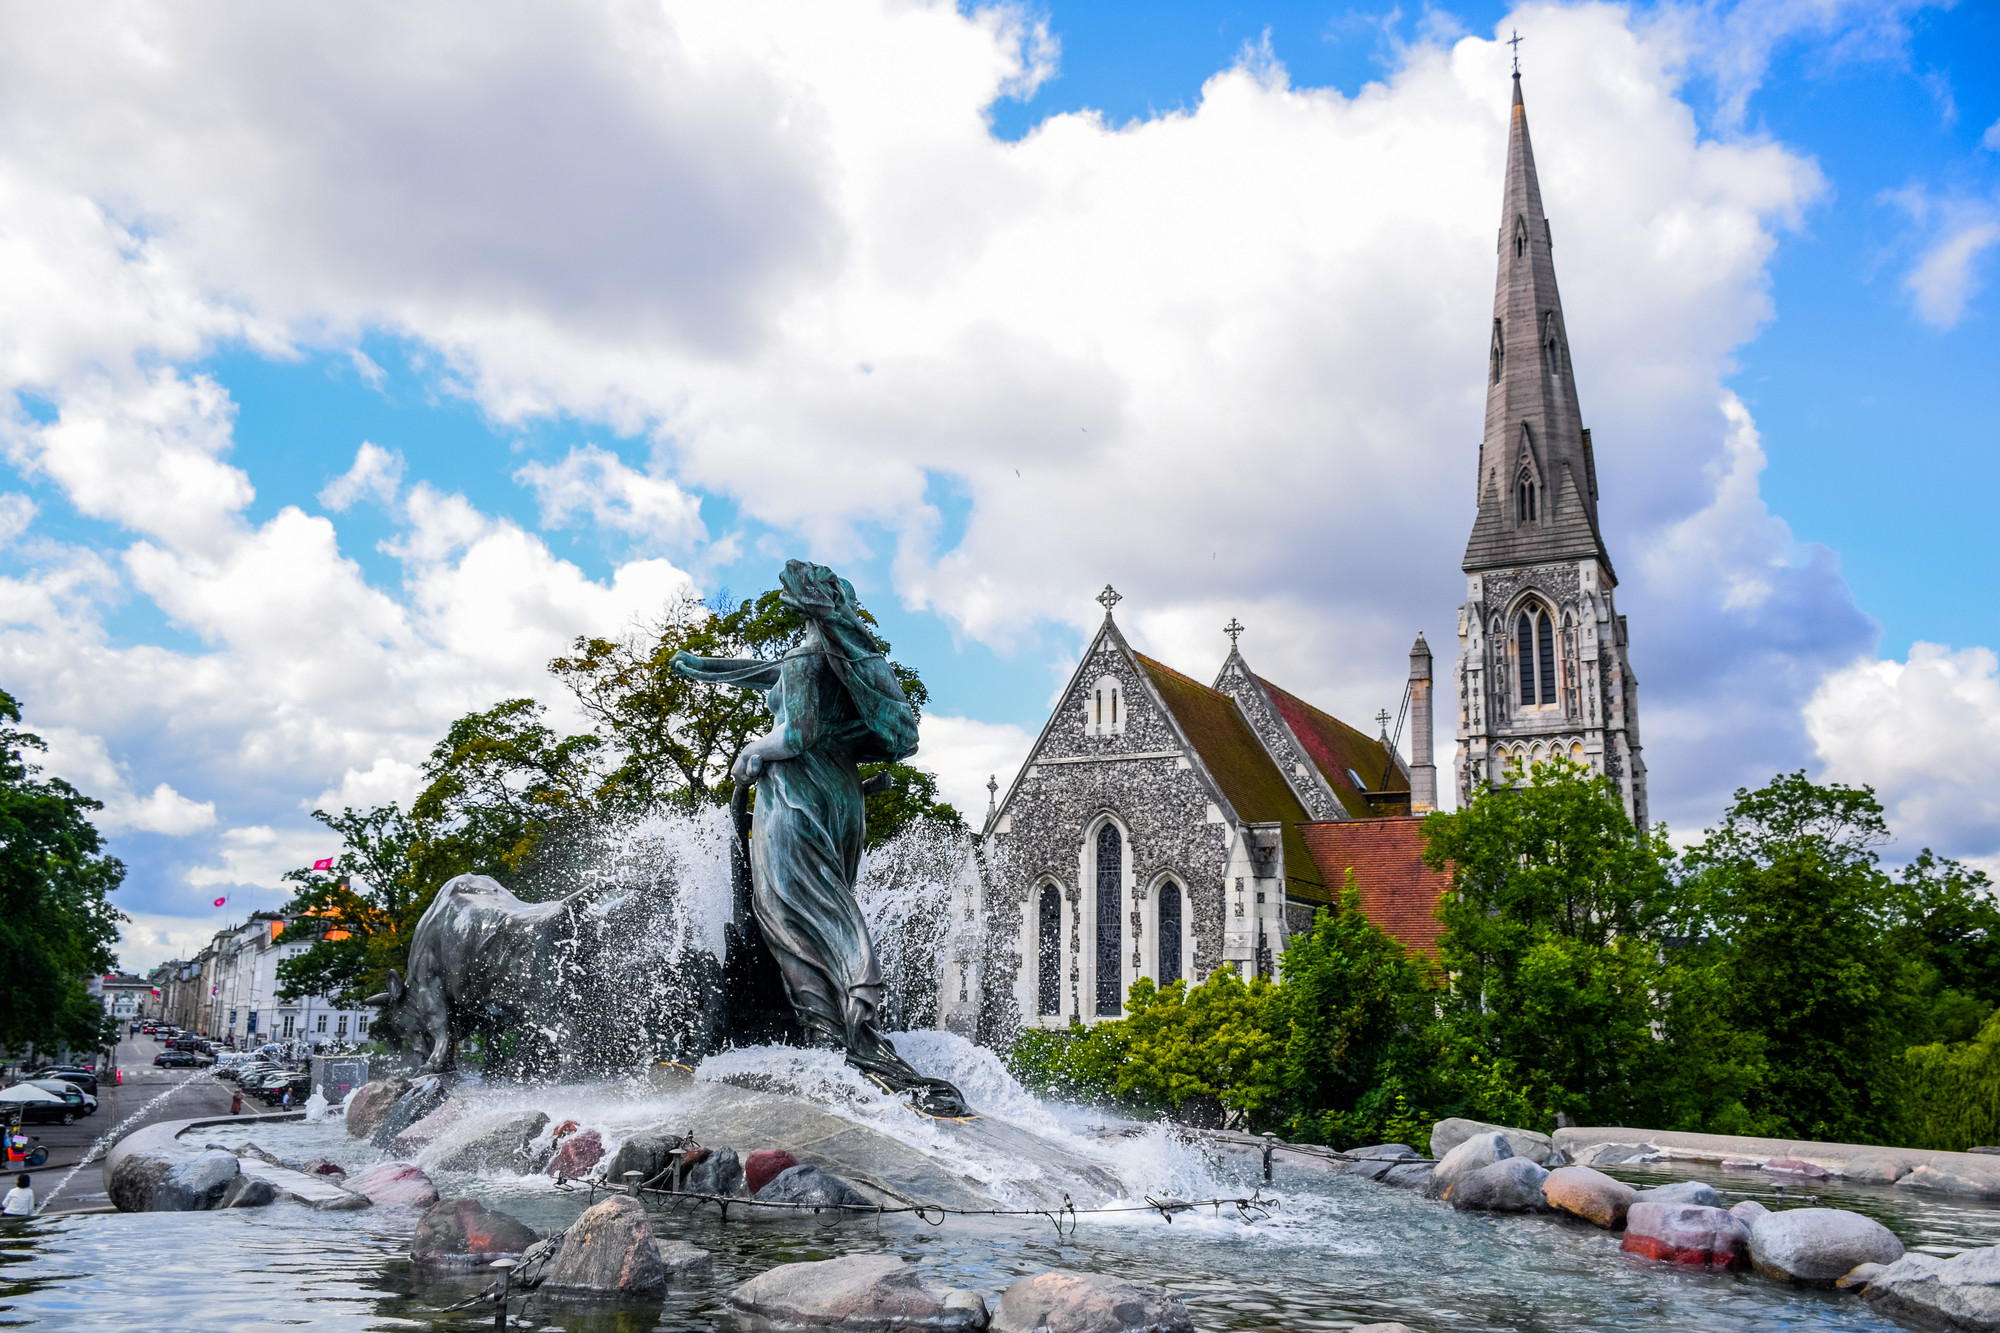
{"x": 56, "y": 925}
{"x": 356, "y": 915}
{"x": 1550, "y": 940}
{"x": 1224, "y": 1038}
{"x": 1944, "y": 927}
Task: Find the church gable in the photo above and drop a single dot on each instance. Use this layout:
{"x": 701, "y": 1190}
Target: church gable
{"x": 1357, "y": 766}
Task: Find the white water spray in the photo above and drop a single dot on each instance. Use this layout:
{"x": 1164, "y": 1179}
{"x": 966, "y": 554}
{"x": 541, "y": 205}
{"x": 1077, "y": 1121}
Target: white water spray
{"x": 112, "y": 1135}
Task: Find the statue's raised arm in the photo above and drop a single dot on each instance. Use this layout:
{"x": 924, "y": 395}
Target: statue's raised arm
{"x": 835, "y": 704}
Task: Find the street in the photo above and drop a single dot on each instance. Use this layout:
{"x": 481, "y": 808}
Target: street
{"x": 195, "y": 1093}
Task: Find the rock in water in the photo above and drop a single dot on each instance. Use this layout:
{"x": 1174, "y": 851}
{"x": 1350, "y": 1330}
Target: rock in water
{"x": 808, "y": 1184}
{"x": 461, "y": 1233}
{"x": 248, "y": 1192}
{"x": 1089, "y": 1303}
{"x": 1379, "y": 1152}
{"x": 1408, "y": 1176}
{"x": 1685, "y": 1233}
{"x": 644, "y": 1153}
{"x": 395, "y": 1182}
{"x": 423, "y": 1133}
{"x": 1961, "y": 1292}
{"x": 1877, "y": 1168}
{"x": 426, "y": 1095}
{"x": 1511, "y": 1185}
{"x": 862, "y": 1293}
{"x": 1748, "y": 1211}
{"x": 197, "y": 1184}
{"x": 1814, "y": 1246}
{"x": 610, "y": 1252}
{"x": 1480, "y": 1151}
{"x": 579, "y": 1152}
{"x": 134, "y": 1177}
{"x": 762, "y": 1167}
{"x": 496, "y": 1143}
{"x": 1970, "y": 1179}
{"x": 718, "y": 1172}
{"x": 371, "y": 1102}
{"x": 1537, "y": 1148}
{"x": 319, "y": 1166}
{"x": 1590, "y": 1195}
{"x": 1792, "y": 1166}
{"x": 1681, "y": 1191}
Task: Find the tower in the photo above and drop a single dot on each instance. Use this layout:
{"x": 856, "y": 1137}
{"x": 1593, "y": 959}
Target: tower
{"x": 1542, "y": 662}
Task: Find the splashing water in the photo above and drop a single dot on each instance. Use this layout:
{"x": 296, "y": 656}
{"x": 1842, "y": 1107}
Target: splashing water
{"x": 116, "y": 1132}
{"x": 316, "y": 1106}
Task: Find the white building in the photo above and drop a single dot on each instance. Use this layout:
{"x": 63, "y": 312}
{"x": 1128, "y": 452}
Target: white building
{"x": 234, "y": 984}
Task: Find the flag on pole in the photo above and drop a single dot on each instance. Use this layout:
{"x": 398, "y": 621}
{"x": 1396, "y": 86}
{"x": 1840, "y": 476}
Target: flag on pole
{"x": 325, "y": 863}
{"x": 220, "y": 901}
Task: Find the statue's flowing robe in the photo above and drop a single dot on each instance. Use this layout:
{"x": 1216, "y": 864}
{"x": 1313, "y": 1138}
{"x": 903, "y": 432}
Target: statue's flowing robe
{"x": 835, "y": 704}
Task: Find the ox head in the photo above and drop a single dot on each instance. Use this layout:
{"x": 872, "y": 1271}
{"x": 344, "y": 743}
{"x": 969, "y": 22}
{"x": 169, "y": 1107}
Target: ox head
{"x": 398, "y": 1024}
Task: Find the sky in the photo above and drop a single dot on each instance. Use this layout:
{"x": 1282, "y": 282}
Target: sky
{"x": 358, "y": 359}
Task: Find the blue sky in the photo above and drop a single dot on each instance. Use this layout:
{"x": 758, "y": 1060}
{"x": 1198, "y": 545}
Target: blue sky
{"x": 1005, "y": 305}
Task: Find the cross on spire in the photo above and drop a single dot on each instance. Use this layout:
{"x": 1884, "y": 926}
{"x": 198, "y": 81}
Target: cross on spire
{"x": 1515, "y": 42}
{"x": 1234, "y": 630}
{"x": 1383, "y": 718}
{"x": 1108, "y": 598}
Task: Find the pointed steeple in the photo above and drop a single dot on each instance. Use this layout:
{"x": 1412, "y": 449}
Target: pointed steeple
{"x": 1537, "y": 485}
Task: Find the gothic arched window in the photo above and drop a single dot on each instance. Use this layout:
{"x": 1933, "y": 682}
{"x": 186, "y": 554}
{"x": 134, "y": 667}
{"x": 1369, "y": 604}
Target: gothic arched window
{"x": 1110, "y": 879}
{"x": 1048, "y": 951}
{"x": 1535, "y": 656}
{"x": 1499, "y": 353}
{"x": 1524, "y": 499}
{"x": 1546, "y": 660}
{"x": 1524, "y": 656}
{"x": 1170, "y": 933}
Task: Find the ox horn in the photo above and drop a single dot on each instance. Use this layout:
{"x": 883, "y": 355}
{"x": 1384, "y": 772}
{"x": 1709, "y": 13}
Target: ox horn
{"x": 377, "y": 1001}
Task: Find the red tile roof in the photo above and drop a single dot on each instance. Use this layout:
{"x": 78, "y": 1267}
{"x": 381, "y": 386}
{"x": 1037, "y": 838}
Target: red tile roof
{"x": 1398, "y": 891}
{"x": 1338, "y": 749}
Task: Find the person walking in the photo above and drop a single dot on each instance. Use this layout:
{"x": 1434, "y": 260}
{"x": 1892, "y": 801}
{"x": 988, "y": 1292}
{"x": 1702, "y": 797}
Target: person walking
{"x": 288, "y": 1099}
{"x": 236, "y": 1103}
{"x": 20, "y": 1201}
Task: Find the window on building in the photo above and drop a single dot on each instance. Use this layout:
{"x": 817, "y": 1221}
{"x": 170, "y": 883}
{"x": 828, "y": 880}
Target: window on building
{"x": 1048, "y": 951}
{"x": 340, "y": 1028}
{"x": 1110, "y": 878}
{"x": 322, "y": 1023}
{"x": 360, "y": 1027}
{"x": 289, "y": 1021}
{"x": 1498, "y": 356}
{"x": 1525, "y": 500}
{"x": 1104, "y": 711}
{"x": 1535, "y": 656}
{"x": 1170, "y": 933}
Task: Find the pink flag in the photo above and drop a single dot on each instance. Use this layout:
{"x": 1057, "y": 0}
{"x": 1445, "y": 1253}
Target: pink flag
{"x": 325, "y": 863}
{"x": 220, "y": 901}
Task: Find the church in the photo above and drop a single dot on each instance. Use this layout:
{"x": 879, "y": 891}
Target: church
{"x": 1162, "y": 827}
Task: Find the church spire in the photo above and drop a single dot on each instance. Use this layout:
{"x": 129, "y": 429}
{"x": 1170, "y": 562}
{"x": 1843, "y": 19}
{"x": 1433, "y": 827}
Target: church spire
{"x": 1537, "y": 485}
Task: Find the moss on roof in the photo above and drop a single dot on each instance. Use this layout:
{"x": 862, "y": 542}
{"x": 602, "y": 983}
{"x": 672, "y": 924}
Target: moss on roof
{"x": 1336, "y": 747}
{"x": 1242, "y": 768}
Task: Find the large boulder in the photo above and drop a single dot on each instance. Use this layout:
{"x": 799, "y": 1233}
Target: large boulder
{"x": 196, "y": 1184}
{"x": 1747, "y": 1211}
{"x": 610, "y": 1252}
{"x": 579, "y": 1152}
{"x": 762, "y": 1167}
{"x": 463, "y": 1233}
{"x": 1383, "y": 1152}
{"x": 395, "y": 1182}
{"x": 1475, "y": 1153}
{"x": 1408, "y": 1176}
{"x": 1877, "y": 1168}
{"x": 1681, "y": 1191}
{"x": 1792, "y": 1166}
{"x": 862, "y": 1293}
{"x": 1511, "y": 1185}
{"x": 426, "y": 1095}
{"x": 1537, "y": 1148}
{"x": 1814, "y": 1246}
{"x": 805, "y": 1184}
{"x": 369, "y": 1103}
{"x": 648, "y": 1154}
{"x": 1088, "y": 1303}
{"x": 1966, "y": 1178}
{"x": 1590, "y": 1195}
{"x": 715, "y": 1171}
{"x": 248, "y": 1192}
{"x": 424, "y": 1132}
{"x": 499, "y": 1142}
{"x": 1685, "y": 1233}
{"x": 132, "y": 1178}
{"x": 1961, "y": 1292}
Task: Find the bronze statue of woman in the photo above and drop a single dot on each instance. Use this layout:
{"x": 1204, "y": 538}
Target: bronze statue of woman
{"x": 835, "y": 704}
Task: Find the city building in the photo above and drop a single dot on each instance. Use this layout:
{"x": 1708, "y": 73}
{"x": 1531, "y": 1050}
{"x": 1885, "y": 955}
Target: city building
{"x": 229, "y": 992}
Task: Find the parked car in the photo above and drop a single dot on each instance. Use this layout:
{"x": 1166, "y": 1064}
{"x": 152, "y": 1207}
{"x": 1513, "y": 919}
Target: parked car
{"x": 45, "y": 1113}
{"x": 177, "y": 1059}
{"x": 66, "y": 1090}
{"x": 247, "y": 1073}
{"x": 273, "y": 1090}
{"x": 83, "y": 1078}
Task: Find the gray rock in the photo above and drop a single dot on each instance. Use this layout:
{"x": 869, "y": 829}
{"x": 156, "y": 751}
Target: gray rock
{"x": 1408, "y": 1176}
{"x": 423, "y": 1133}
{"x": 320, "y": 1166}
{"x": 1617, "y": 1154}
{"x": 1089, "y": 1303}
{"x": 1473, "y": 1154}
{"x": 1686, "y": 1233}
{"x": 1748, "y": 1211}
{"x": 862, "y": 1293}
{"x": 248, "y": 1192}
{"x": 1877, "y": 1168}
{"x": 1814, "y": 1246}
{"x": 1681, "y": 1191}
{"x": 426, "y": 1095}
{"x": 132, "y": 1179}
{"x": 720, "y": 1172}
{"x": 1537, "y": 1148}
{"x": 372, "y": 1102}
{"x": 1511, "y": 1185}
{"x": 498, "y": 1142}
{"x": 1590, "y": 1195}
{"x": 609, "y": 1252}
{"x": 1962, "y": 1292}
{"x": 1375, "y": 1170}
{"x": 1392, "y": 1152}
{"x": 1964, "y": 1179}
{"x": 645, "y": 1153}
{"x": 809, "y": 1184}
{"x": 196, "y": 1184}
{"x": 464, "y": 1233}
{"x": 1858, "y": 1276}
{"x": 535, "y": 1262}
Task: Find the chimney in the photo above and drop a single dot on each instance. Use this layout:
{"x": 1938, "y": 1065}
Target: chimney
{"x": 1423, "y": 768}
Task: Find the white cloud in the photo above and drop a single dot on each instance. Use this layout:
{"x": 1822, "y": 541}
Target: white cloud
{"x": 17, "y": 511}
{"x": 365, "y": 366}
{"x": 1925, "y": 734}
{"x": 85, "y": 762}
{"x": 1991, "y": 139}
{"x": 151, "y": 938}
{"x": 1947, "y": 276}
{"x": 376, "y": 475}
{"x": 964, "y": 753}
{"x": 594, "y": 483}
{"x": 258, "y": 857}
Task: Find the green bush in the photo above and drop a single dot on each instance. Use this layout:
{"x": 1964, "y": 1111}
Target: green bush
{"x": 1076, "y": 1063}
{"x": 1948, "y": 1095}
